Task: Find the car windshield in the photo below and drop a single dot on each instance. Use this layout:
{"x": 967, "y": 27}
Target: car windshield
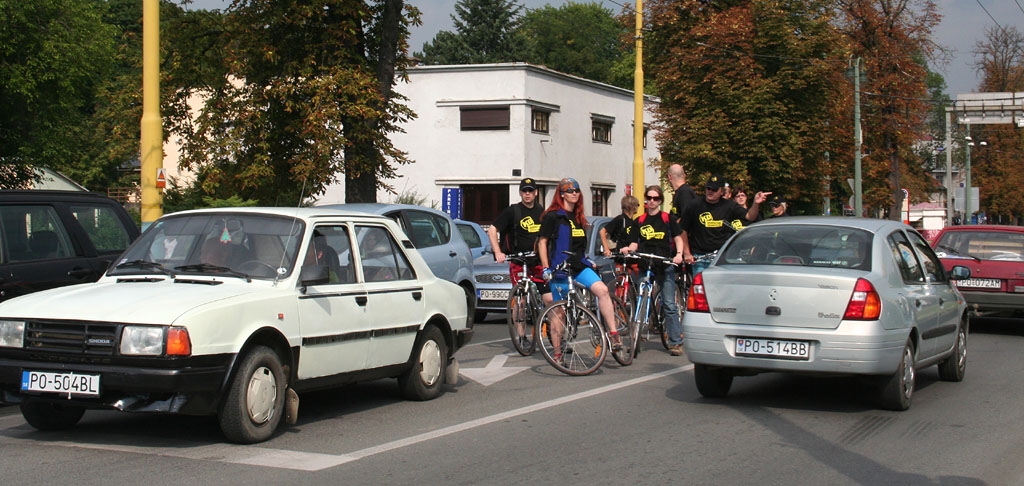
{"x": 233, "y": 244}
{"x": 801, "y": 245}
{"x": 981, "y": 245}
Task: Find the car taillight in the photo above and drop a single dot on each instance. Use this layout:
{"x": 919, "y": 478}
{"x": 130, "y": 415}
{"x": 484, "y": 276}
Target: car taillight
{"x": 865, "y": 305}
{"x": 697, "y": 300}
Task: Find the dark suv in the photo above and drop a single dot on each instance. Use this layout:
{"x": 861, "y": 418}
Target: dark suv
{"x": 55, "y": 238}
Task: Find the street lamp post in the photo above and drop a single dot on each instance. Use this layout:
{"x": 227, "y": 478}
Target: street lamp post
{"x": 857, "y": 73}
{"x": 968, "y": 193}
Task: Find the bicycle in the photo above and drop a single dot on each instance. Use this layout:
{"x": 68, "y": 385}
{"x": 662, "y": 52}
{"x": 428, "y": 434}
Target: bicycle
{"x": 573, "y": 339}
{"x": 524, "y": 306}
{"x": 648, "y": 298}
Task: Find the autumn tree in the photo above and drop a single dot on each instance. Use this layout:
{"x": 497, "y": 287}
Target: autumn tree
{"x": 996, "y": 166}
{"x": 748, "y": 90}
{"x": 893, "y": 37}
{"x": 307, "y": 96}
{"x": 486, "y": 31}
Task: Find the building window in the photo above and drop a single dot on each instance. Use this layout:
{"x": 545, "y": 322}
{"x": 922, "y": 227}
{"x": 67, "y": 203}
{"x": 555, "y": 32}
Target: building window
{"x": 541, "y": 119}
{"x": 599, "y": 205}
{"x": 484, "y": 118}
{"x": 601, "y": 130}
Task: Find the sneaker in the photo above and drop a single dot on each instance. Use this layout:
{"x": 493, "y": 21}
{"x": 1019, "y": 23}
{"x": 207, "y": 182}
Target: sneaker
{"x": 616, "y": 342}
{"x": 676, "y": 350}
{"x": 524, "y": 342}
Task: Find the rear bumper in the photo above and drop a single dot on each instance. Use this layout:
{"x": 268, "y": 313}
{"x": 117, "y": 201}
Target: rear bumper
{"x": 854, "y": 348}
{"x": 993, "y": 301}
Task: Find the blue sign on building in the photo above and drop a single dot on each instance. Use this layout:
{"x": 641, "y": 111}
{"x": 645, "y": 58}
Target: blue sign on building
{"x": 451, "y": 201}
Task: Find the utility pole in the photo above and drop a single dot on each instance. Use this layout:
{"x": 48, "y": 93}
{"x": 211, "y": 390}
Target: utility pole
{"x": 151, "y": 143}
{"x": 858, "y": 203}
{"x": 638, "y": 104}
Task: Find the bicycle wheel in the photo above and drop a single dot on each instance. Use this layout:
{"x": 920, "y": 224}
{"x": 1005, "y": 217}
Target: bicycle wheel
{"x": 520, "y": 316}
{"x": 642, "y": 318}
{"x": 658, "y": 317}
{"x": 581, "y": 342}
{"x": 627, "y": 334}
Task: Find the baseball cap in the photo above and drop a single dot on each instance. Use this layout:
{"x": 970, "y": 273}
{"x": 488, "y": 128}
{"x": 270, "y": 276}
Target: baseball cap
{"x": 776, "y": 200}
{"x": 527, "y": 183}
{"x": 715, "y": 182}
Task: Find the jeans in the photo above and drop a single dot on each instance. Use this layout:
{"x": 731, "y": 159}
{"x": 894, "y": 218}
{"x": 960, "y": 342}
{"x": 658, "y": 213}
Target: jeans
{"x": 673, "y": 327}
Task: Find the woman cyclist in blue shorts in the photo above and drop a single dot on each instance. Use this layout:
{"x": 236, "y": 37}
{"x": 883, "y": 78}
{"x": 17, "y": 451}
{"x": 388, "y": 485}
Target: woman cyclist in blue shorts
{"x": 562, "y": 228}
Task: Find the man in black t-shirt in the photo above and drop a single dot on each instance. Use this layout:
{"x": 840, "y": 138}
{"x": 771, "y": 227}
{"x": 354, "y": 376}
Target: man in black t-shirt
{"x": 711, "y": 220}
{"x": 683, "y": 193}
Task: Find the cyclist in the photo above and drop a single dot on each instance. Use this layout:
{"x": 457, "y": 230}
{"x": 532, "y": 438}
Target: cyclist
{"x": 518, "y": 226}
{"x": 621, "y": 230}
{"x": 661, "y": 235}
{"x": 711, "y": 220}
{"x": 562, "y": 229}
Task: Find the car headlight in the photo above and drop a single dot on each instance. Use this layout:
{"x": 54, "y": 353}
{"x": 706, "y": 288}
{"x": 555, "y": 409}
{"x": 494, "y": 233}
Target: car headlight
{"x": 155, "y": 341}
{"x": 12, "y": 334}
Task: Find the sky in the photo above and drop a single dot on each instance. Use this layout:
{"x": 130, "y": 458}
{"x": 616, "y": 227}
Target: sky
{"x": 962, "y": 27}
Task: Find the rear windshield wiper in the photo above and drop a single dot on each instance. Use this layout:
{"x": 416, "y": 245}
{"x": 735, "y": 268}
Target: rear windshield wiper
{"x": 206, "y": 267}
{"x": 147, "y": 265}
{"x": 953, "y": 251}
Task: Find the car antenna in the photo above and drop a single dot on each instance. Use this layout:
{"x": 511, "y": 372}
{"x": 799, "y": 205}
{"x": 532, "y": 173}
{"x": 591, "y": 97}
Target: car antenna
{"x": 291, "y": 232}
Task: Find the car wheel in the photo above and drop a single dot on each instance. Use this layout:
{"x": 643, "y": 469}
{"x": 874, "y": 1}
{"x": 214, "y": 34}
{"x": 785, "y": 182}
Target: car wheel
{"x": 899, "y": 388}
{"x": 470, "y": 306}
{"x": 423, "y": 380}
{"x": 254, "y": 405}
{"x": 954, "y": 367}
{"x": 712, "y": 382}
{"x": 51, "y": 416}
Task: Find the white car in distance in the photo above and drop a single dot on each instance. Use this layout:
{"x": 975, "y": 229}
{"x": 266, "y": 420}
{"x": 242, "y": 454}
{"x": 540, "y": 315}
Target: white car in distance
{"x": 233, "y": 312}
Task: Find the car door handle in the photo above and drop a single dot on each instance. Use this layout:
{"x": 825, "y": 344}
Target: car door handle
{"x": 453, "y": 254}
{"x": 918, "y": 303}
{"x": 417, "y": 295}
{"x": 361, "y": 300}
{"x": 79, "y": 272}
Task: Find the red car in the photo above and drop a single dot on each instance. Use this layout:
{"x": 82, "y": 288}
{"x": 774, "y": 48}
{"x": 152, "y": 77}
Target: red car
{"x": 995, "y": 255}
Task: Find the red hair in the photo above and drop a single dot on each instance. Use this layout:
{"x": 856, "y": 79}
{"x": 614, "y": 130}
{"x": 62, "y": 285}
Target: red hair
{"x": 558, "y": 203}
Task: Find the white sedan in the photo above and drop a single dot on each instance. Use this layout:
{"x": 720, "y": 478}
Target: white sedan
{"x": 233, "y": 312}
{"x": 822, "y": 295}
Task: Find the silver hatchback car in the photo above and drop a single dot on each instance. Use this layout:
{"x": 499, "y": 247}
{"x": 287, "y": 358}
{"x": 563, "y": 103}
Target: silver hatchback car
{"x": 823, "y": 295}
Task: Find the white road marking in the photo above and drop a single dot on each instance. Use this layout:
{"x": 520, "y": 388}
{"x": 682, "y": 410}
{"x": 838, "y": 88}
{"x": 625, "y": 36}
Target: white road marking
{"x": 312, "y": 461}
{"x": 494, "y": 372}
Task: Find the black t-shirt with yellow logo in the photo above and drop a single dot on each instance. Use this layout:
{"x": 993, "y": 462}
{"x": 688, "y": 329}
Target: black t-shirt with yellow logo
{"x": 708, "y": 225}
{"x": 655, "y": 235}
{"x": 518, "y": 227}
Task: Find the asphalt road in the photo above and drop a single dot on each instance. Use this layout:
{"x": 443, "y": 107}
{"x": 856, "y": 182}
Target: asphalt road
{"x": 513, "y": 419}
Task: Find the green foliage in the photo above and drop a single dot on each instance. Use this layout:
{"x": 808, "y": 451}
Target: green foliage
{"x": 54, "y": 55}
{"x": 576, "y": 38}
{"x": 486, "y": 31}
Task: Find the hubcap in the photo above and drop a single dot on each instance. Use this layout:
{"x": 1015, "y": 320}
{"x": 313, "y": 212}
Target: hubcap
{"x": 261, "y": 395}
{"x": 908, "y": 372}
{"x": 430, "y": 363}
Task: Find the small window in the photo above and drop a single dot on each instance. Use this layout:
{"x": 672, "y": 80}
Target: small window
{"x": 105, "y": 229}
{"x": 382, "y": 260}
{"x": 598, "y": 199}
{"x": 34, "y": 233}
{"x": 541, "y": 119}
{"x": 485, "y": 118}
{"x": 906, "y": 260}
{"x": 601, "y": 131}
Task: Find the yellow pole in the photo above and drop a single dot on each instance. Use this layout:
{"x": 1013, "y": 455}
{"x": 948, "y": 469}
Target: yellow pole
{"x": 151, "y": 143}
{"x": 638, "y": 107}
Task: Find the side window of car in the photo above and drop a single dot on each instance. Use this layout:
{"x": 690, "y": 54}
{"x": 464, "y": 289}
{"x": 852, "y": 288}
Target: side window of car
{"x": 934, "y": 272}
{"x": 905, "y": 258}
{"x": 423, "y": 229}
{"x": 34, "y": 233}
{"x": 331, "y": 247}
{"x": 381, "y": 258}
{"x": 470, "y": 235}
{"x": 105, "y": 229}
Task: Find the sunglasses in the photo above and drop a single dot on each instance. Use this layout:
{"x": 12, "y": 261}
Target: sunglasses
{"x": 774, "y": 205}
{"x": 571, "y": 191}
{"x": 652, "y": 198}
{"x": 528, "y": 189}
{"x": 711, "y": 189}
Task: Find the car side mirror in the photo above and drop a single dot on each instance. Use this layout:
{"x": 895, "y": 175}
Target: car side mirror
{"x": 314, "y": 275}
{"x": 959, "y": 272}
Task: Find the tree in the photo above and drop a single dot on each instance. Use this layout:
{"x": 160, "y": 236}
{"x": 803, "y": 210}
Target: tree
{"x": 997, "y": 166}
{"x": 307, "y": 96}
{"x": 53, "y": 56}
{"x": 893, "y": 38}
{"x": 581, "y": 39}
{"x": 486, "y": 31}
{"x": 748, "y": 89}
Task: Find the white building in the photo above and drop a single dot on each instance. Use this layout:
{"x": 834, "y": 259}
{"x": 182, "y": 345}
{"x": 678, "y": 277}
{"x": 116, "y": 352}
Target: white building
{"x": 482, "y": 128}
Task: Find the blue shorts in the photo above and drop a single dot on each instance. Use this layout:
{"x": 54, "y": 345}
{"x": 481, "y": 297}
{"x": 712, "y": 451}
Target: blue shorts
{"x": 560, "y": 286}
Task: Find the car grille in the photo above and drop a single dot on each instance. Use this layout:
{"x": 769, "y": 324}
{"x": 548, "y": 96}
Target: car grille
{"x": 494, "y": 278}
{"x": 72, "y": 338}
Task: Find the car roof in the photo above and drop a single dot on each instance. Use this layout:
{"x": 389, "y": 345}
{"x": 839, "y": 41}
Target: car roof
{"x": 48, "y": 195}
{"x": 381, "y": 208}
{"x": 307, "y": 213}
{"x": 983, "y": 227}
{"x": 868, "y": 224}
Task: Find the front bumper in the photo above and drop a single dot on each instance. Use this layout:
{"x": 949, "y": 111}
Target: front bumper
{"x": 191, "y": 386}
{"x": 853, "y": 348}
{"x": 993, "y": 301}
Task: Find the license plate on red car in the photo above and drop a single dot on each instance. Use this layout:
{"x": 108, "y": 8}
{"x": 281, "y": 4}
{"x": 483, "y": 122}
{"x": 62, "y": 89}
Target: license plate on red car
{"x": 979, "y": 283}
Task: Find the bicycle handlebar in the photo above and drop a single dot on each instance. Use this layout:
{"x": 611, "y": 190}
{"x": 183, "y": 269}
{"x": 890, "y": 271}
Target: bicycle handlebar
{"x": 647, "y": 256}
{"x": 520, "y": 257}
